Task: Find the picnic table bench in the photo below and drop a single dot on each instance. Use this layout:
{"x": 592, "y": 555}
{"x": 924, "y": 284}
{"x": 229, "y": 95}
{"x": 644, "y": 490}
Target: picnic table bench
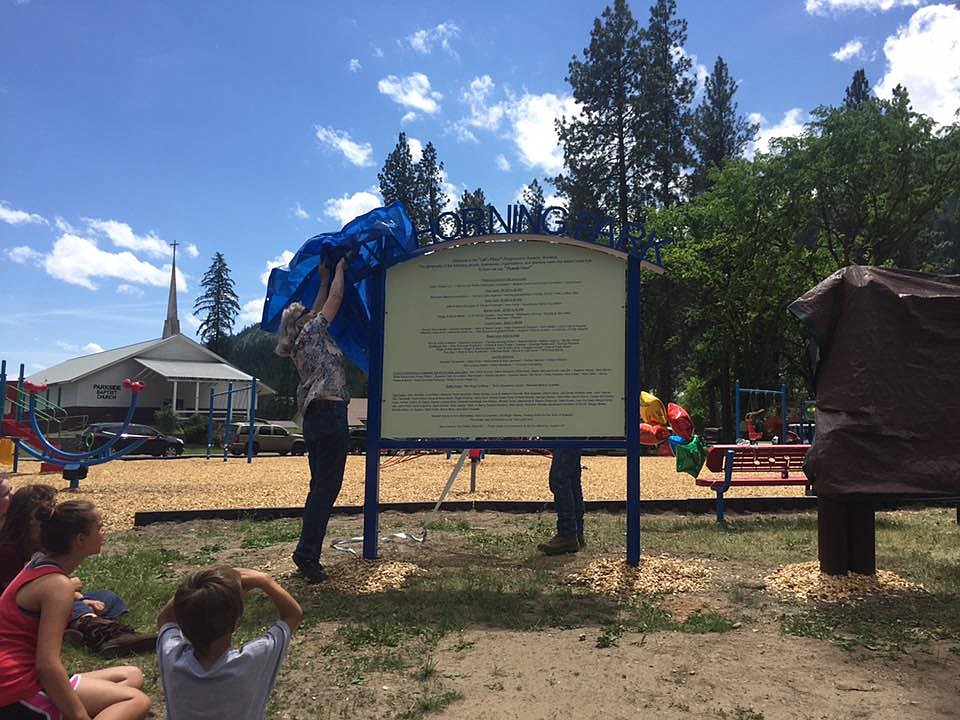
{"x": 753, "y": 465}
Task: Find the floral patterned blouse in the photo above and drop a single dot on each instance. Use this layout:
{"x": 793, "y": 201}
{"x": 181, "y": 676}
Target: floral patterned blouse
{"x": 319, "y": 361}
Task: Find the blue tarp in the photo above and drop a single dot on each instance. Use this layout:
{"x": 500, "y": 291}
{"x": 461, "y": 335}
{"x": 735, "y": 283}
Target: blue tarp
{"x": 378, "y": 238}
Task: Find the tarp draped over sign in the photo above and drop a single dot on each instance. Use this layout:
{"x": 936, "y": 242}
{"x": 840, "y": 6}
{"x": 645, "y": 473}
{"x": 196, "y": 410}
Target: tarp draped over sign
{"x": 887, "y": 382}
{"x": 371, "y": 240}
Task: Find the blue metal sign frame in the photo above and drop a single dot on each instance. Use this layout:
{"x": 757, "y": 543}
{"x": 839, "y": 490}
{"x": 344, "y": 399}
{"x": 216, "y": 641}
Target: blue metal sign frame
{"x": 633, "y": 364}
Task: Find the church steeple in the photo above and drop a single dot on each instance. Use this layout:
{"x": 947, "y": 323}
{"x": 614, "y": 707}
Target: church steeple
{"x": 171, "y": 326}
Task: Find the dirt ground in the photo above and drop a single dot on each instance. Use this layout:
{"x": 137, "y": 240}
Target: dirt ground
{"x": 752, "y": 672}
{"x": 124, "y": 487}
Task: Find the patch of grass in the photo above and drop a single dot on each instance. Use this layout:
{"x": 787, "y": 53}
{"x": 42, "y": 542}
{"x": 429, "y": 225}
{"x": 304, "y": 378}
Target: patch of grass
{"x": 641, "y": 615}
{"x": 740, "y": 713}
{"x": 610, "y": 635}
{"x": 449, "y": 525}
{"x": 377, "y": 633}
{"x": 427, "y": 670}
{"x": 429, "y": 704}
{"x": 206, "y": 555}
{"x": 706, "y": 622}
{"x": 256, "y": 535}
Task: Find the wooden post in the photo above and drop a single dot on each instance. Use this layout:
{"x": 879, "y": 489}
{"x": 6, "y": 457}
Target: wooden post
{"x": 846, "y": 537}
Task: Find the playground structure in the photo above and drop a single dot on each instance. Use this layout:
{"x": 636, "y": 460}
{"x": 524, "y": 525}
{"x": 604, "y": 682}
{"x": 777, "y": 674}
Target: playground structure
{"x": 31, "y": 439}
{"x": 752, "y": 433}
{"x": 228, "y": 423}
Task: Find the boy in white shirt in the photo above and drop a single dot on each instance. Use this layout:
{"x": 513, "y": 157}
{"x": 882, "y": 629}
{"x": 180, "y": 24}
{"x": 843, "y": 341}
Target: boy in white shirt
{"x": 203, "y": 676}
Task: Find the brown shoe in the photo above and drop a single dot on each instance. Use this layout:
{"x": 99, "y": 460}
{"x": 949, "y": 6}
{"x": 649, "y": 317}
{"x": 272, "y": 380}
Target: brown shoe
{"x": 113, "y": 639}
{"x": 560, "y": 545}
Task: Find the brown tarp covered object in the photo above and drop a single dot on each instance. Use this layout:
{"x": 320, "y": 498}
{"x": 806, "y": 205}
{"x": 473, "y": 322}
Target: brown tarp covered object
{"x": 887, "y": 380}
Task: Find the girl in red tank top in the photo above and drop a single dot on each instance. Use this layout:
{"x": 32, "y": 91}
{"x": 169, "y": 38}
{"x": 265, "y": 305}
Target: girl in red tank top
{"x": 34, "y": 610}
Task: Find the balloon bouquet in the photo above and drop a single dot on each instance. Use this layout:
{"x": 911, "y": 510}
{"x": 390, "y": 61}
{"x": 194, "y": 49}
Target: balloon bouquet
{"x": 671, "y": 425}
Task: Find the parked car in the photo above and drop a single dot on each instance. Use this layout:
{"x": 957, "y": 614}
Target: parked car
{"x": 358, "y": 440}
{"x": 155, "y": 443}
{"x": 267, "y": 438}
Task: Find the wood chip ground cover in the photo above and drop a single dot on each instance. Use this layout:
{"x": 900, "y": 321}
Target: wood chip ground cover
{"x": 124, "y": 487}
{"x": 804, "y": 581}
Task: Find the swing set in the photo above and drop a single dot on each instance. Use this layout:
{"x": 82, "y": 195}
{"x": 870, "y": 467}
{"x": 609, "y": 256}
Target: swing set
{"x": 753, "y": 434}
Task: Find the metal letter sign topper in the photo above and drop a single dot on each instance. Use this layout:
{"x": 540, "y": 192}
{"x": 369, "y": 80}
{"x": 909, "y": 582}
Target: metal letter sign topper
{"x": 521, "y": 332}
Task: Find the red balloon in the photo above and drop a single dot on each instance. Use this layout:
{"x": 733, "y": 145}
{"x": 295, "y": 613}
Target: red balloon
{"x": 680, "y": 421}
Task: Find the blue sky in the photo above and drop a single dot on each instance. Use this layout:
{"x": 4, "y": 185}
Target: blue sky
{"x": 246, "y": 127}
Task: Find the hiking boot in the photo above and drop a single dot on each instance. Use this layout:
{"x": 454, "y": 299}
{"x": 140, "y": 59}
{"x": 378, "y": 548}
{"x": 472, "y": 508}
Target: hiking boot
{"x": 113, "y": 639}
{"x": 311, "y": 570}
{"x": 560, "y": 545}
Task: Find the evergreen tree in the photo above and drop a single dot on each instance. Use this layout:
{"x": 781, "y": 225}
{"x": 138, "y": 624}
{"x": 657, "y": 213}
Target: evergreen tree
{"x": 718, "y": 132}
{"x": 475, "y": 199}
{"x": 470, "y": 201}
{"x": 532, "y": 197}
{"x": 218, "y": 303}
{"x": 600, "y": 145}
{"x": 666, "y": 95}
{"x": 429, "y": 181}
{"x": 398, "y": 181}
{"x": 858, "y": 92}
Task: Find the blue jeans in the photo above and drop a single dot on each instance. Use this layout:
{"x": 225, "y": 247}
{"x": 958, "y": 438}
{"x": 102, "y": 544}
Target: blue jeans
{"x": 567, "y": 491}
{"x": 114, "y": 606}
{"x": 327, "y": 439}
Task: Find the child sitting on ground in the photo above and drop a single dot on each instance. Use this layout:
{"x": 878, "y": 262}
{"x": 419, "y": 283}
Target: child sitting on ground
{"x": 95, "y": 614}
{"x": 35, "y": 609}
{"x": 202, "y": 674}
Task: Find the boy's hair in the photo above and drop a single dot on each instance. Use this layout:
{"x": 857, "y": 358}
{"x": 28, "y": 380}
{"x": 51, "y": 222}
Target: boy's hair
{"x": 208, "y": 604}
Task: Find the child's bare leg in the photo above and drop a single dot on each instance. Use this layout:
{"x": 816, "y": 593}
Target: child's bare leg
{"x": 109, "y": 700}
{"x": 129, "y": 675}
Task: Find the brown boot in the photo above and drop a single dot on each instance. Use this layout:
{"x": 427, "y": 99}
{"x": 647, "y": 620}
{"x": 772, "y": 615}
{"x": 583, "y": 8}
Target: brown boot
{"x": 113, "y": 639}
{"x": 559, "y": 545}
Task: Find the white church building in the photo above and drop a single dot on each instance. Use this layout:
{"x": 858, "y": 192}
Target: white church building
{"x": 177, "y": 372}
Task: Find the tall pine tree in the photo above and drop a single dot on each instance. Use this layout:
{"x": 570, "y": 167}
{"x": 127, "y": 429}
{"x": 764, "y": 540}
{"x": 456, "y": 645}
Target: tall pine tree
{"x": 600, "y": 145}
{"x": 218, "y": 305}
{"x": 666, "y": 95}
{"x": 430, "y": 181}
{"x": 398, "y": 181}
{"x": 858, "y": 92}
{"x": 718, "y": 132}
{"x": 532, "y": 197}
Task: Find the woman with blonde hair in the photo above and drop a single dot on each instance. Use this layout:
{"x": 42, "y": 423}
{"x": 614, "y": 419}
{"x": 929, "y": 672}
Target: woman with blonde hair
{"x": 322, "y": 398}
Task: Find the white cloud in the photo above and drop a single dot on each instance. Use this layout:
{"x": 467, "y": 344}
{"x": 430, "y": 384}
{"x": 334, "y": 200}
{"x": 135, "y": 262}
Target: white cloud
{"x": 346, "y": 208}
{"x": 377, "y": 52}
{"x": 412, "y": 91}
{"x": 534, "y": 131}
{"x": 23, "y": 254}
{"x": 853, "y": 49}
{"x": 359, "y": 154}
{"x": 193, "y": 321}
{"x": 924, "y": 57}
{"x": 423, "y": 41}
{"x": 790, "y": 126}
{"x": 354, "y": 65}
{"x": 823, "y": 7}
{"x": 124, "y": 289}
{"x": 299, "y": 212}
{"x": 450, "y": 191}
{"x": 408, "y": 117}
{"x": 482, "y": 115}
{"x": 64, "y": 226}
{"x": 78, "y": 260}
{"x": 192, "y": 250}
{"x": 87, "y": 349}
{"x": 12, "y": 216}
{"x": 416, "y": 148}
{"x": 281, "y": 260}
{"x": 250, "y": 313}
{"x": 503, "y": 163}
{"x": 122, "y": 235}
{"x": 531, "y": 118}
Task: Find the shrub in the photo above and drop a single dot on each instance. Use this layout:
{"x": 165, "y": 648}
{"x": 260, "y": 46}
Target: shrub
{"x": 165, "y": 420}
{"x": 195, "y": 429}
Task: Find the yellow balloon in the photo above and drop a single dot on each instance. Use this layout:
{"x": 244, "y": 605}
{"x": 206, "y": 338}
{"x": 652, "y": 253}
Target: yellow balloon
{"x": 651, "y": 409}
